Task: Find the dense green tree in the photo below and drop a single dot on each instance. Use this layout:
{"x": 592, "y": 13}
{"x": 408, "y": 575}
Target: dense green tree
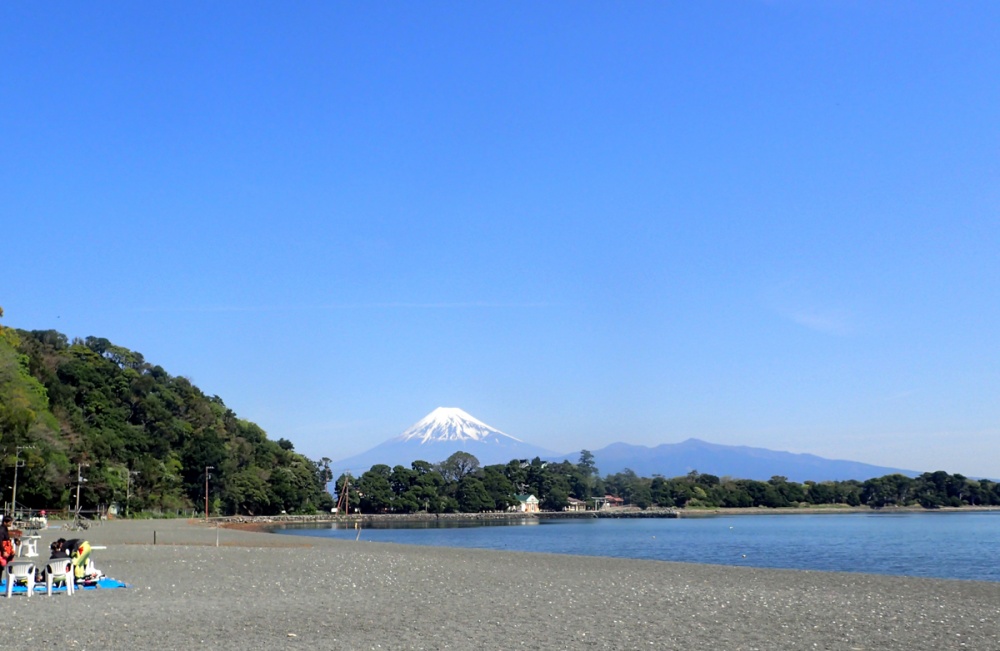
{"x": 630, "y": 487}
{"x": 555, "y": 499}
{"x": 247, "y": 492}
{"x": 375, "y": 489}
{"x": 659, "y": 492}
{"x": 516, "y": 472}
{"x": 102, "y": 406}
{"x": 458, "y": 465}
{"x": 499, "y": 488}
{"x": 402, "y": 482}
{"x": 890, "y": 490}
{"x": 536, "y": 477}
{"x": 472, "y": 496}
{"x": 428, "y": 488}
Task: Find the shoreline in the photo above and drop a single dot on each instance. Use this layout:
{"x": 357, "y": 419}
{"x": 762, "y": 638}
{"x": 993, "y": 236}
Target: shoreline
{"x": 269, "y": 522}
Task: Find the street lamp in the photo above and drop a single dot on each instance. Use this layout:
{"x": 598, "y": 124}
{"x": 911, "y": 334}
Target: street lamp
{"x": 79, "y": 482}
{"x": 128, "y": 488}
{"x": 207, "y": 468}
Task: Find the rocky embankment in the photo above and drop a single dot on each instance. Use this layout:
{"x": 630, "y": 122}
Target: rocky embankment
{"x": 282, "y": 520}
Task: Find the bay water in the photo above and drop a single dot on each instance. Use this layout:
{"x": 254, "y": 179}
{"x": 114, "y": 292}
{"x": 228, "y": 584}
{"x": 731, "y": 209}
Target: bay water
{"x": 952, "y": 545}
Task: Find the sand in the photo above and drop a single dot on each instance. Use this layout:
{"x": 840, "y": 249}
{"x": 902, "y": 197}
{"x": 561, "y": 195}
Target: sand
{"x": 266, "y": 591}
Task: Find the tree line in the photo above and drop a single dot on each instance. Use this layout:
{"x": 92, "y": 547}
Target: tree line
{"x": 139, "y": 437}
{"x": 460, "y": 485}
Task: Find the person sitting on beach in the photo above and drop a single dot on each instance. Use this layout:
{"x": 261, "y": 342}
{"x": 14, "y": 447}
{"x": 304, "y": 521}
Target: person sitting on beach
{"x": 57, "y": 552}
{"x": 78, "y": 550}
{"x": 7, "y": 549}
{"x": 39, "y": 521}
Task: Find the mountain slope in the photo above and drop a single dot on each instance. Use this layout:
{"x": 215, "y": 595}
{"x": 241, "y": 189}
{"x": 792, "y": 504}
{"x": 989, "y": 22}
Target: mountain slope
{"x": 742, "y": 462}
{"x": 436, "y": 437}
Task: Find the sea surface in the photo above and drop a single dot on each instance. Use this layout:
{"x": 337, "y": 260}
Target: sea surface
{"x": 951, "y": 545}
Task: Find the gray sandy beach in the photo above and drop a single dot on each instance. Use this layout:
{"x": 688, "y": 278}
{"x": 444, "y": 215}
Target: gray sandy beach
{"x": 260, "y": 590}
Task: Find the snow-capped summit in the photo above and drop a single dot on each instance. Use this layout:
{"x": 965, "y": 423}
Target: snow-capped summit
{"x": 440, "y": 434}
{"x": 453, "y": 424}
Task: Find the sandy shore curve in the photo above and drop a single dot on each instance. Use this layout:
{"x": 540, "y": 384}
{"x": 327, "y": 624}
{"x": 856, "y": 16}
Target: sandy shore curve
{"x": 260, "y": 590}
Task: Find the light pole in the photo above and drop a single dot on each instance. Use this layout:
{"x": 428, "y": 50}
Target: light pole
{"x": 128, "y": 488}
{"x": 79, "y": 483}
{"x": 207, "y": 468}
{"x": 17, "y": 464}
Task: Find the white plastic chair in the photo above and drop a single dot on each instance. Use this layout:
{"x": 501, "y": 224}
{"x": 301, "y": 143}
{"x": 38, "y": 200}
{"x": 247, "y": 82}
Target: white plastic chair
{"x": 20, "y": 572}
{"x": 59, "y": 572}
{"x": 29, "y": 546}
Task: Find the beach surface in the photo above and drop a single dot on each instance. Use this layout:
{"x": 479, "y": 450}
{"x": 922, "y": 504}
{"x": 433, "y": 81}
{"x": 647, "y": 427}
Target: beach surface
{"x": 259, "y": 590}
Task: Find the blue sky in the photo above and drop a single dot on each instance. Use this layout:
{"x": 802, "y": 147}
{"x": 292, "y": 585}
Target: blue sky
{"x": 760, "y": 223}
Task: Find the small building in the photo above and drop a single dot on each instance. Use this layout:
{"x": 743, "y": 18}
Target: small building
{"x": 607, "y": 502}
{"x": 575, "y": 505}
{"x": 527, "y": 503}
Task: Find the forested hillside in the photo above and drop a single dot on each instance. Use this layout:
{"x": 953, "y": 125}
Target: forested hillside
{"x": 138, "y": 434}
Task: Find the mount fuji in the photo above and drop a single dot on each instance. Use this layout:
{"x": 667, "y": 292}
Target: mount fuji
{"x": 436, "y": 437}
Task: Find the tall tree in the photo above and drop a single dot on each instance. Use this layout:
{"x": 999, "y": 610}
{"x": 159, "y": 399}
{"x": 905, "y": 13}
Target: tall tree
{"x": 458, "y": 465}
{"x": 472, "y": 495}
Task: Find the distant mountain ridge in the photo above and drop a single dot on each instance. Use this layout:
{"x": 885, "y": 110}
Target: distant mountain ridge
{"x": 737, "y": 461}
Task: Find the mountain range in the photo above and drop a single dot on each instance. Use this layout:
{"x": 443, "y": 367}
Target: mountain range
{"x": 447, "y": 430}
{"x": 737, "y": 461}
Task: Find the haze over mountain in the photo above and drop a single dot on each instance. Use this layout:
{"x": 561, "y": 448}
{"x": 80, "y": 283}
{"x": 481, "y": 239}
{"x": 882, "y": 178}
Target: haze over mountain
{"x": 440, "y": 434}
{"x": 741, "y": 462}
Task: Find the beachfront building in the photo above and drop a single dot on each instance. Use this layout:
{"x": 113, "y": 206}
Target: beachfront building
{"x": 527, "y": 503}
{"x": 575, "y": 505}
{"x": 607, "y": 502}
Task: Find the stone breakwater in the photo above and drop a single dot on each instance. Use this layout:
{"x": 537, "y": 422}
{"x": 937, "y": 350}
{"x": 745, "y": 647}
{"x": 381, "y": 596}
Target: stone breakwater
{"x": 369, "y": 517}
{"x": 267, "y": 521}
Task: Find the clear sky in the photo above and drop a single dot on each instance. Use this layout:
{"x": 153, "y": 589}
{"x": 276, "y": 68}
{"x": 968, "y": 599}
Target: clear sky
{"x": 771, "y": 223}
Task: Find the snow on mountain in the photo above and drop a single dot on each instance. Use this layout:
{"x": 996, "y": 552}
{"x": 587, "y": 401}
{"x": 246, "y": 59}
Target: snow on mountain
{"x": 453, "y": 424}
{"x": 436, "y": 437}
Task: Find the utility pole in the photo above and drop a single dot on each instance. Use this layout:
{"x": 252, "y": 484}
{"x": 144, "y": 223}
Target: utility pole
{"x": 344, "y": 503}
{"x": 79, "y": 482}
{"x": 18, "y": 463}
{"x": 128, "y": 488}
{"x": 207, "y": 468}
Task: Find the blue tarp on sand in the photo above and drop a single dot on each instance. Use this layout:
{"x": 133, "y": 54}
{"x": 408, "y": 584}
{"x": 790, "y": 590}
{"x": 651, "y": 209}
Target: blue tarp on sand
{"x": 104, "y": 583}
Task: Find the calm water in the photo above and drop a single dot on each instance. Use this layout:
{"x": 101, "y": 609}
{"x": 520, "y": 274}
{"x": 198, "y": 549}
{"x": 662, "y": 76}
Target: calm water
{"x": 945, "y": 545}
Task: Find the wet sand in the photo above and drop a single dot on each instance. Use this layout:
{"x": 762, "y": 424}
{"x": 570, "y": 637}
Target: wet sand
{"x": 260, "y": 590}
